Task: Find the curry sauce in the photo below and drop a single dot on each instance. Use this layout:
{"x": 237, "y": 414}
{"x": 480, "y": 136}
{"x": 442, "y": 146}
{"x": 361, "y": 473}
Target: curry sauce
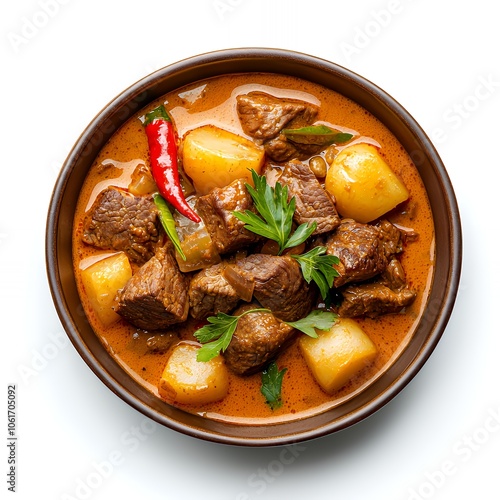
{"x": 212, "y": 101}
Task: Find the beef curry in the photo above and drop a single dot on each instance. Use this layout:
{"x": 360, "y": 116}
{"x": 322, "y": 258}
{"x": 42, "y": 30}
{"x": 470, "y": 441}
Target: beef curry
{"x": 236, "y": 134}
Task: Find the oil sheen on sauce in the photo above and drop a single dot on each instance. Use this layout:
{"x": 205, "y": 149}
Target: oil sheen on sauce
{"x": 213, "y": 101}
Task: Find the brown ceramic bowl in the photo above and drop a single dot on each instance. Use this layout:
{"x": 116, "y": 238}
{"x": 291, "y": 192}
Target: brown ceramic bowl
{"x": 372, "y": 98}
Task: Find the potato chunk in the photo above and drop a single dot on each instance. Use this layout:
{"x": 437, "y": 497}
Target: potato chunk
{"x": 338, "y": 354}
{"x": 102, "y": 280}
{"x": 362, "y": 183}
{"x": 213, "y": 157}
{"x": 188, "y": 381}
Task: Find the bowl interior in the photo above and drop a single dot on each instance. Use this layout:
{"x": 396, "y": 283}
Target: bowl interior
{"x": 368, "y": 95}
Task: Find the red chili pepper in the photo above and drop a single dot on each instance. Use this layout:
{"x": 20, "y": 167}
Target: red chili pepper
{"x": 162, "y": 140}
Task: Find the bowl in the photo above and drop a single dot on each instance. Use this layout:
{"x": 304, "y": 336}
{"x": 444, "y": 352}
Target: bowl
{"x": 432, "y": 171}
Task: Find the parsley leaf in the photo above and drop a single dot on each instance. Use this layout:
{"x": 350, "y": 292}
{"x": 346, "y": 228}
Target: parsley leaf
{"x": 318, "y": 267}
{"x": 276, "y": 214}
{"x": 220, "y": 328}
{"x": 168, "y": 222}
{"x": 322, "y": 320}
{"x": 217, "y": 335}
{"x": 272, "y": 380}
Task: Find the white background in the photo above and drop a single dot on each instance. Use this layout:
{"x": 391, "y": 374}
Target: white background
{"x": 62, "y": 61}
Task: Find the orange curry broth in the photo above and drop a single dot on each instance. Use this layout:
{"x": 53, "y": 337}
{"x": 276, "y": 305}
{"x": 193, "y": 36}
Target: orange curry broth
{"x": 213, "y": 101}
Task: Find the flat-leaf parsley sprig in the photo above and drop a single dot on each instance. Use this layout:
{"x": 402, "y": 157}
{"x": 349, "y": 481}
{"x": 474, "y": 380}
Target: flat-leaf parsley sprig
{"x": 275, "y": 223}
{"x": 317, "y": 319}
{"x": 217, "y": 335}
{"x": 276, "y": 214}
{"x": 272, "y": 380}
{"x": 318, "y": 267}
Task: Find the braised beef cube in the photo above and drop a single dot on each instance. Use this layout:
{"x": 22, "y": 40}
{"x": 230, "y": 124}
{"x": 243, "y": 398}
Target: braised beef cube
{"x": 161, "y": 342}
{"x": 157, "y": 294}
{"x": 121, "y": 221}
{"x": 277, "y": 283}
{"x": 393, "y": 275}
{"x": 216, "y": 208}
{"x": 374, "y": 299}
{"x": 312, "y": 202}
{"x": 210, "y": 293}
{"x": 263, "y": 116}
{"x": 391, "y": 237}
{"x": 257, "y": 340}
{"x": 280, "y": 149}
{"x": 364, "y": 250}
{"x": 388, "y": 294}
{"x": 143, "y": 342}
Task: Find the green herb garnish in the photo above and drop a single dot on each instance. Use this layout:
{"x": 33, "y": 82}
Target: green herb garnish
{"x": 318, "y": 267}
{"x": 168, "y": 222}
{"x": 322, "y": 320}
{"x": 319, "y": 135}
{"x": 217, "y": 335}
{"x": 272, "y": 380}
{"x": 276, "y": 214}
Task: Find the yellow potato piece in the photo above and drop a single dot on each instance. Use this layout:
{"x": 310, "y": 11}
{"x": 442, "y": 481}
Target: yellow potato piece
{"x": 213, "y": 157}
{"x": 362, "y": 183}
{"x": 338, "y": 354}
{"x": 102, "y": 280}
{"x": 188, "y": 381}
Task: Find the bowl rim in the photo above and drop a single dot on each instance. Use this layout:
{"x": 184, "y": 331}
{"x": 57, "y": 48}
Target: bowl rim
{"x": 213, "y": 64}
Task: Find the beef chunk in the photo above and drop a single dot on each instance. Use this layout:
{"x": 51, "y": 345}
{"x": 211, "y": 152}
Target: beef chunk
{"x": 157, "y": 294}
{"x": 147, "y": 342}
{"x": 374, "y": 299}
{"x": 364, "y": 250}
{"x": 121, "y": 221}
{"x": 391, "y": 237}
{"x": 161, "y": 342}
{"x": 210, "y": 293}
{"x": 393, "y": 275}
{"x": 258, "y": 338}
{"x": 313, "y": 203}
{"x": 263, "y": 116}
{"x": 388, "y": 294}
{"x": 281, "y": 149}
{"x": 216, "y": 208}
{"x": 277, "y": 284}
